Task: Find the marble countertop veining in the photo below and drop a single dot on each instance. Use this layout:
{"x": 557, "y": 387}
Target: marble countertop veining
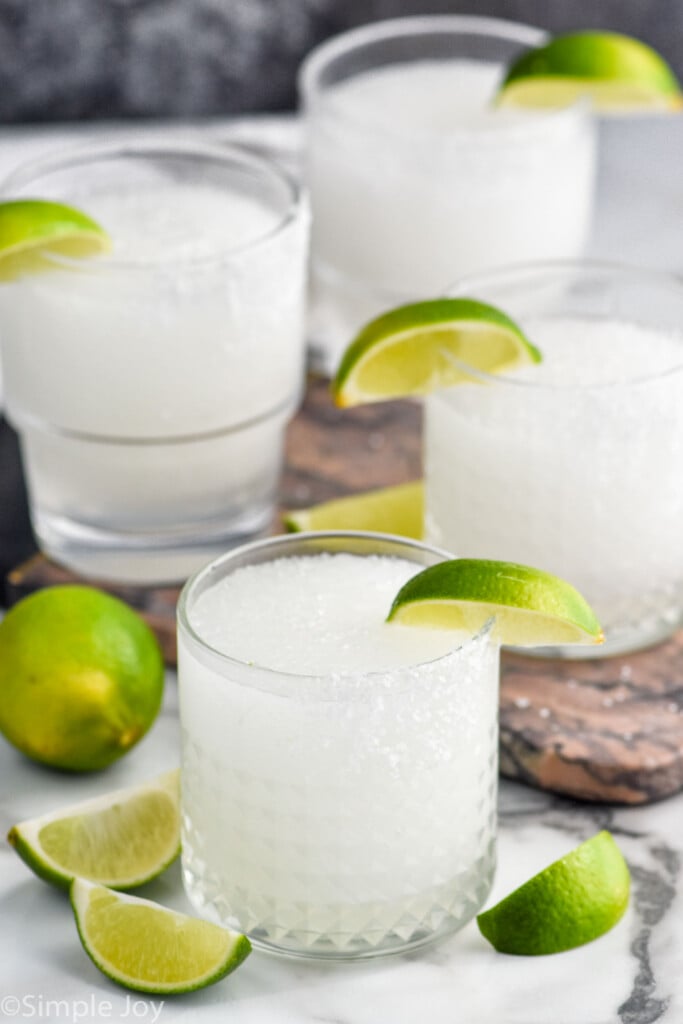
{"x": 633, "y": 975}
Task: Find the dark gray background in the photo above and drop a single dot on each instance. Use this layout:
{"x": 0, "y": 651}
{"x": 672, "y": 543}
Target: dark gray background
{"x": 82, "y": 59}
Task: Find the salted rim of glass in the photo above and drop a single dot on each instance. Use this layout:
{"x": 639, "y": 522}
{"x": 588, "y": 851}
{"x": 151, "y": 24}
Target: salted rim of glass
{"x": 321, "y": 56}
{"x": 169, "y": 146}
{"x": 284, "y": 541}
{"x": 476, "y": 285}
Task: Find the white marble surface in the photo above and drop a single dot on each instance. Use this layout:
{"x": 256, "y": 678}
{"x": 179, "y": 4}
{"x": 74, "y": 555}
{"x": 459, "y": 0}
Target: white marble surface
{"x": 631, "y": 976}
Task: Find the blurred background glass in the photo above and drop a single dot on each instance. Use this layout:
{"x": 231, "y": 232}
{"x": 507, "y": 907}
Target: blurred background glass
{"x": 90, "y": 64}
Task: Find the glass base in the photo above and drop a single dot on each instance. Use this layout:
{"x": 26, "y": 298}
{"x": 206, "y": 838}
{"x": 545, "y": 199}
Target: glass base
{"x": 145, "y": 557}
{"x": 387, "y": 930}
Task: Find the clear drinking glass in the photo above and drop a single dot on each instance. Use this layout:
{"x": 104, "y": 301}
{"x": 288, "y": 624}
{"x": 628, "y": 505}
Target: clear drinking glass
{"x": 415, "y": 176}
{"x": 575, "y": 464}
{"x": 151, "y": 386}
{"x": 343, "y": 815}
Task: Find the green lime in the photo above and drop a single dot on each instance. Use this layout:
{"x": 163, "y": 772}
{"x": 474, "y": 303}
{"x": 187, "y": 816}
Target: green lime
{"x": 398, "y": 510}
{"x": 618, "y": 73}
{"x": 30, "y": 228}
{"x": 148, "y": 948}
{"x": 81, "y": 677}
{"x": 121, "y": 839}
{"x": 415, "y": 349}
{"x": 571, "y": 902}
{"x": 531, "y": 608}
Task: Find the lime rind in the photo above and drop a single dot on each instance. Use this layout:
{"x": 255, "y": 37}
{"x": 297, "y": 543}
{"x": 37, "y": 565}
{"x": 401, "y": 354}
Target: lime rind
{"x": 531, "y": 607}
{"x": 152, "y": 942}
{"x": 398, "y": 510}
{"x": 573, "y": 901}
{"x": 417, "y": 348}
{"x": 81, "y": 675}
{"x": 63, "y": 830}
{"x": 617, "y": 71}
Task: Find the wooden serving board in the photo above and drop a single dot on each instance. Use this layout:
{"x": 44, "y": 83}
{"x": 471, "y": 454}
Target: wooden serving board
{"x": 604, "y": 730}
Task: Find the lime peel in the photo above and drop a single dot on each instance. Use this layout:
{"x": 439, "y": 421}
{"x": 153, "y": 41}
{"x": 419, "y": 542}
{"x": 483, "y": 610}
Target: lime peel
{"x": 571, "y": 902}
{"x": 121, "y": 839}
{"x": 415, "y": 349}
{"x": 532, "y": 608}
{"x": 81, "y": 675}
{"x": 149, "y": 948}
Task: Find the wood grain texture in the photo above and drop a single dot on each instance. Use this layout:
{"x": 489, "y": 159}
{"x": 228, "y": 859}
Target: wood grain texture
{"x": 602, "y": 730}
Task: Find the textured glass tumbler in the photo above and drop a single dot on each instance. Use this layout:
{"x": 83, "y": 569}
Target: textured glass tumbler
{"x": 339, "y": 816}
{"x": 151, "y": 386}
{"x": 414, "y": 176}
{"x": 575, "y": 465}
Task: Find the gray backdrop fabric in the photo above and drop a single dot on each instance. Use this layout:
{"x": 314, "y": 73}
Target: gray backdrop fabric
{"x": 83, "y": 59}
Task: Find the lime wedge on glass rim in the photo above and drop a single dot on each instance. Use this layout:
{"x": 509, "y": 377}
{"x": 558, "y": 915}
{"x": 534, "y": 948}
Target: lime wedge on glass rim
{"x": 571, "y": 902}
{"x": 121, "y": 839}
{"x": 32, "y": 228}
{"x": 618, "y": 73}
{"x": 149, "y": 948}
{"x": 398, "y": 509}
{"x": 531, "y": 608}
{"x": 415, "y": 349}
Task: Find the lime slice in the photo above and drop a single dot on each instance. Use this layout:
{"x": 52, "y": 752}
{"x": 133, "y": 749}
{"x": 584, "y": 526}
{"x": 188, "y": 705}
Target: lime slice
{"x": 149, "y": 948}
{"x": 415, "y": 349}
{"x": 121, "y": 839}
{"x": 30, "y": 228}
{"x": 532, "y": 608}
{"x": 571, "y": 902}
{"x": 618, "y": 73}
{"x": 398, "y": 510}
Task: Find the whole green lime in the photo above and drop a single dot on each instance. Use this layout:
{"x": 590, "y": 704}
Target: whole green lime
{"x": 81, "y": 677}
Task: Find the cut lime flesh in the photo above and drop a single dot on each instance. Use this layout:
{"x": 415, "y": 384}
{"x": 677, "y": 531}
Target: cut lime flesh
{"x": 415, "y": 349}
{"x": 398, "y": 510}
{"x": 571, "y": 902}
{"x": 617, "y": 72}
{"x": 149, "y": 948}
{"x": 122, "y": 839}
{"x": 557, "y": 91}
{"x": 32, "y": 228}
{"x": 531, "y": 608}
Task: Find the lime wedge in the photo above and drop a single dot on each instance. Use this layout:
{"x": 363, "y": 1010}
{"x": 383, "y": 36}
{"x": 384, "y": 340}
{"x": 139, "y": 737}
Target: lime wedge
{"x": 121, "y": 839}
{"x": 571, "y": 902}
{"x": 618, "y": 73}
{"x": 148, "y": 948}
{"x": 31, "y": 228}
{"x": 532, "y": 608}
{"x": 415, "y": 349}
{"x": 398, "y": 510}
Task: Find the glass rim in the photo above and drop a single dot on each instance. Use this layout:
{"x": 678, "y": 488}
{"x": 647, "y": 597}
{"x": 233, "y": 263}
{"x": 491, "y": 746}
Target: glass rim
{"x": 169, "y": 146}
{"x": 280, "y": 543}
{"x": 323, "y": 55}
{"x": 467, "y": 287}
